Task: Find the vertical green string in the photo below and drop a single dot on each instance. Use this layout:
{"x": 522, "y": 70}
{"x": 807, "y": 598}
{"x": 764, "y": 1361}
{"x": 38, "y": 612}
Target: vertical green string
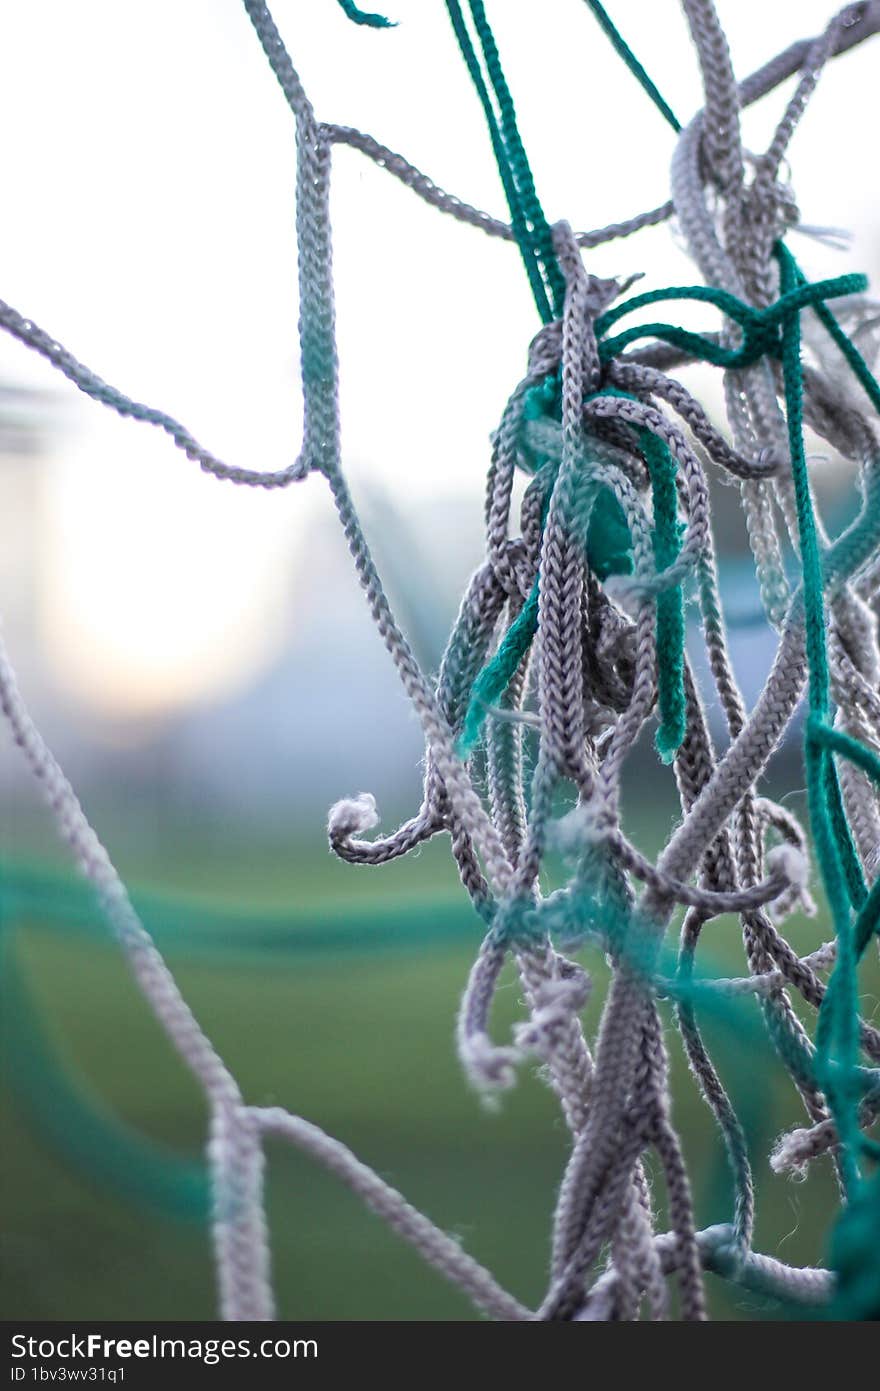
{"x": 497, "y": 674}
{"x": 837, "y": 1027}
{"x": 856, "y": 887}
{"x": 507, "y": 168}
{"x": 522, "y": 174}
{"x": 670, "y": 602}
{"x": 373, "y": 21}
{"x": 623, "y": 49}
{"x": 493, "y": 680}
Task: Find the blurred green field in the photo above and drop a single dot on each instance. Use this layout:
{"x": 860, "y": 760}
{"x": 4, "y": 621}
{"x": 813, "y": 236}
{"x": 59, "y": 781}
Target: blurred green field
{"x": 357, "y": 1037}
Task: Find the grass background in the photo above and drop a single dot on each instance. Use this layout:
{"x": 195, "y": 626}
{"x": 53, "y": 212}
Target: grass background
{"x": 339, "y": 1005}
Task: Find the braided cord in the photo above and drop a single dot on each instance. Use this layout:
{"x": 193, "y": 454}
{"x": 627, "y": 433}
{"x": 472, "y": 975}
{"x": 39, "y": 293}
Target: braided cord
{"x": 761, "y": 327}
{"x": 612, "y": 475}
{"x": 670, "y": 602}
{"x": 837, "y": 1038}
{"x": 530, "y": 227}
{"x": 542, "y": 237}
{"x": 622, "y": 47}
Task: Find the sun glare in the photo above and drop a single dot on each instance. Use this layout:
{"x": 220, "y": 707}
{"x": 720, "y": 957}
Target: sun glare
{"x": 160, "y": 595}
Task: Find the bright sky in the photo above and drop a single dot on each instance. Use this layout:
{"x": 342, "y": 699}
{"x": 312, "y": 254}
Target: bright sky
{"x": 148, "y": 173}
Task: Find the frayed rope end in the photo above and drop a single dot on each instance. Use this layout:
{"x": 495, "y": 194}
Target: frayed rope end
{"x": 352, "y": 816}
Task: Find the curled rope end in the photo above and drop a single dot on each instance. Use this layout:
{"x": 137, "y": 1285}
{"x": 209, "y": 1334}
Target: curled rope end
{"x": 352, "y": 816}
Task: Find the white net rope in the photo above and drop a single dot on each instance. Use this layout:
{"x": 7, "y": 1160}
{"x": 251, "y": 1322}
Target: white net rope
{"x": 586, "y": 682}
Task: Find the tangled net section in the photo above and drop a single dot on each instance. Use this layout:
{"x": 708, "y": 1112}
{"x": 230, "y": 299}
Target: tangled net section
{"x": 570, "y": 640}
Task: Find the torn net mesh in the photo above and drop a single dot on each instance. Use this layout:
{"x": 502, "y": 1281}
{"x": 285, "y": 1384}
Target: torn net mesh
{"x": 569, "y": 641}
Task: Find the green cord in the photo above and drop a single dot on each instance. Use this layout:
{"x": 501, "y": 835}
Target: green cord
{"x": 608, "y": 542}
{"x": 761, "y": 327}
{"x": 840, "y": 742}
{"x": 607, "y": 557}
{"x": 856, "y": 887}
{"x": 632, "y": 62}
{"x": 860, "y": 368}
{"x": 837, "y": 741}
{"x": 496, "y": 675}
{"x": 836, "y": 1029}
{"x": 670, "y": 602}
{"x": 78, "y": 1124}
{"x": 530, "y": 226}
{"x": 510, "y": 165}
{"x": 800, "y": 296}
{"x": 522, "y": 174}
{"x": 373, "y": 21}
{"x": 774, "y": 330}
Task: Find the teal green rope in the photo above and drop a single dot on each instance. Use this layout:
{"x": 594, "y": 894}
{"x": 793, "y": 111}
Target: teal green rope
{"x": 78, "y": 1125}
{"x": 497, "y": 674}
{"x": 858, "y": 364}
{"x": 842, "y": 743}
{"x": 522, "y": 174}
{"x": 670, "y": 602}
{"x": 608, "y": 542}
{"x": 868, "y": 921}
{"x": 81, "y": 1129}
{"x": 856, "y": 887}
{"x": 670, "y": 624}
{"x": 853, "y": 1256}
{"x": 773, "y": 329}
{"x": 196, "y": 929}
{"x": 518, "y": 217}
{"x": 837, "y": 1028}
{"x": 761, "y": 327}
{"x": 632, "y": 62}
{"x": 373, "y": 21}
{"x": 856, "y": 912}
{"x": 607, "y": 557}
{"x": 61, "y": 1106}
{"x": 776, "y": 330}
{"x": 800, "y": 296}
{"x": 837, "y": 741}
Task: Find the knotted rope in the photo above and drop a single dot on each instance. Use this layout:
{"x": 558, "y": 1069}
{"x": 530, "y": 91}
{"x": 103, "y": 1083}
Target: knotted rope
{"x": 570, "y": 638}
